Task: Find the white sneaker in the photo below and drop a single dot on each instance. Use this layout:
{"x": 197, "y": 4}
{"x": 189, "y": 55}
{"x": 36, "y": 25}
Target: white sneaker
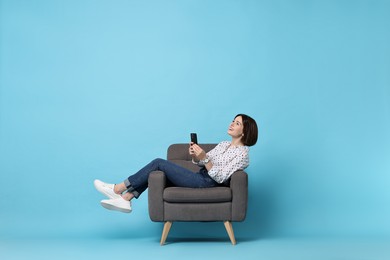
{"x": 106, "y": 189}
{"x": 119, "y": 204}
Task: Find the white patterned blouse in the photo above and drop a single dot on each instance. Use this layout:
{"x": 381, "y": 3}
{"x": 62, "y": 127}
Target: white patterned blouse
{"x": 227, "y": 159}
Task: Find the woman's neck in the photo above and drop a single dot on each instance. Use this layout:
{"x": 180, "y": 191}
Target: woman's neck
{"x": 236, "y": 142}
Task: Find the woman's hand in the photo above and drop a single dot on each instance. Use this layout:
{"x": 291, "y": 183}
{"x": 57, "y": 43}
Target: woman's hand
{"x": 196, "y": 152}
{"x": 191, "y": 150}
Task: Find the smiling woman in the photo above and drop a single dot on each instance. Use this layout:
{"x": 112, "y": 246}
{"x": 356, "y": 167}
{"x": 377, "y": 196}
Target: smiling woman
{"x": 216, "y": 167}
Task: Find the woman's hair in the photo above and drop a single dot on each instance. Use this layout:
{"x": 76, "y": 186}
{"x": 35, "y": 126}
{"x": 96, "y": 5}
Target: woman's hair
{"x": 250, "y": 130}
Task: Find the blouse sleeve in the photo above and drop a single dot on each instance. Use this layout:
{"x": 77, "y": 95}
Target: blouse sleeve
{"x": 221, "y": 172}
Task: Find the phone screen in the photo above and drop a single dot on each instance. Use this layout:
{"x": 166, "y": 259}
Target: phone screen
{"x": 194, "y": 138}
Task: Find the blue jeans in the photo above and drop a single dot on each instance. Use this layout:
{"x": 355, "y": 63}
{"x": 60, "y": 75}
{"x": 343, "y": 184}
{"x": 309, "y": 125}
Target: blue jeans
{"x": 177, "y": 175}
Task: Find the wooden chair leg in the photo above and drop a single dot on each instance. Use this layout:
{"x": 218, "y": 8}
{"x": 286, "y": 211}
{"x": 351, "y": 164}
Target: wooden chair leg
{"x": 229, "y": 229}
{"x": 167, "y": 227}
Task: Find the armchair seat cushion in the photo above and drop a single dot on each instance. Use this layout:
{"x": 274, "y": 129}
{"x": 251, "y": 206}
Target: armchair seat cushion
{"x": 198, "y": 195}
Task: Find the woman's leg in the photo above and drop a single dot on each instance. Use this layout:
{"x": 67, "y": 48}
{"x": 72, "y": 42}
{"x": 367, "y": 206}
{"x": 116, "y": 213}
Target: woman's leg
{"x": 138, "y": 183}
{"x": 120, "y": 188}
{"x": 128, "y": 196}
{"x": 179, "y": 176}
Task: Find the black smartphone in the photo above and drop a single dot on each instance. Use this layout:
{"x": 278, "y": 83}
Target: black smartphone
{"x": 194, "y": 138}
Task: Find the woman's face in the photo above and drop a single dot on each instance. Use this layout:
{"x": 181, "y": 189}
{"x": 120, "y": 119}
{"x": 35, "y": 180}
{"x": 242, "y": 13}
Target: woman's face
{"x": 236, "y": 127}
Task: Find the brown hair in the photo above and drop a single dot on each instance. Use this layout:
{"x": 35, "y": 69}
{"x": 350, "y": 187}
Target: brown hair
{"x": 250, "y": 130}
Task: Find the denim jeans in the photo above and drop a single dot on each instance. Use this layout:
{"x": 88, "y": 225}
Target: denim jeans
{"x": 177, "y": 175}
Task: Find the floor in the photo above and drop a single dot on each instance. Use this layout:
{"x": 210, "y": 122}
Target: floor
{"x": 179, "y": 248}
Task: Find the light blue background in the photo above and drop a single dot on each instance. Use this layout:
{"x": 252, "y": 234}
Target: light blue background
{"x": 96, "y": 89}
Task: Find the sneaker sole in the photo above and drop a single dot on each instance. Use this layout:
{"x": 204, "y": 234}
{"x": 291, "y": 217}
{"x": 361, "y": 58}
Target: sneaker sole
{"x": 112, "y": 207}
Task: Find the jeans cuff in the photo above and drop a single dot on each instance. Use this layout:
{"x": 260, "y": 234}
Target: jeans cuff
{"x": 135, "y": 193}
{"x": 127, "y": 183}
{"x": 131, "y": 189}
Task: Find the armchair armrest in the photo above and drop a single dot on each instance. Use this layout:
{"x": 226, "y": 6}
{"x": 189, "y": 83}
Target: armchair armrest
{"x": 239, "y": 186}
{"x": 156, "y": 184}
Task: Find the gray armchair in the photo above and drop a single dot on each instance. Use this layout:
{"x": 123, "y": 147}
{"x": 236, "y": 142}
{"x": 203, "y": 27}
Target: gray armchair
{"x": 225, "y": 203}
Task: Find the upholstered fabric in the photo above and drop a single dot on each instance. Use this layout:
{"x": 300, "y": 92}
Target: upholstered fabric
{"x": 197, "y": 211}
{"x": 201, "y": 195}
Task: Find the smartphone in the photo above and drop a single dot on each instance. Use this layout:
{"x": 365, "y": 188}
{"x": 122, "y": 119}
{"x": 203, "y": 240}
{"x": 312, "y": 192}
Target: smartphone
{"x": 194, "y": 138}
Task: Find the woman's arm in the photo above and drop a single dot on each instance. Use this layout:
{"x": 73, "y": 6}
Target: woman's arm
{"x": 227, "y": 166}
{"x": 200, "y": 155}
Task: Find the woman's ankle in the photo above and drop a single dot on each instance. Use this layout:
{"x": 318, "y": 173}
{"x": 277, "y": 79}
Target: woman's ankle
{"x": 127, "y": 196}
{"x": 119, "y": 188}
